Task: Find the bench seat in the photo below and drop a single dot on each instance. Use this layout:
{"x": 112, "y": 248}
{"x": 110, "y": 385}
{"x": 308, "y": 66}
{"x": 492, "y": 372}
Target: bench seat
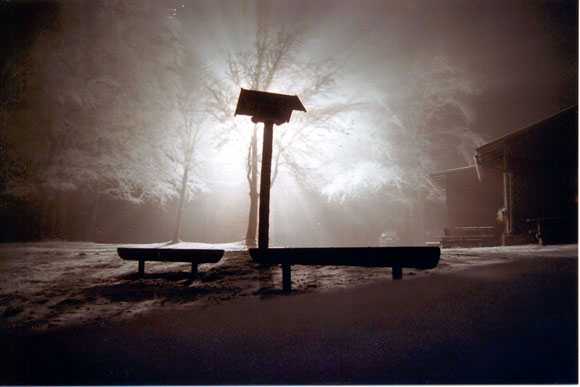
{"x": 417, "y": 257}
{"x": 194, "y": 256}
{"x": 469, "y": 240}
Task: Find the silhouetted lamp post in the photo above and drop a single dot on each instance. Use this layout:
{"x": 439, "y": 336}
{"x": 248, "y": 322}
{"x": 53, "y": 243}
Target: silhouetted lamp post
{"x": 269, "y": 108}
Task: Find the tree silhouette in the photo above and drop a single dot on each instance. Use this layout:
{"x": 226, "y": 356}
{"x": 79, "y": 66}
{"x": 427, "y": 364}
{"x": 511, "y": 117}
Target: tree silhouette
{"x": 101, "y": 95}
{"x": 275, "y": 64}
{"x": 185, "y": 95}
{"x": 415, "y": 127}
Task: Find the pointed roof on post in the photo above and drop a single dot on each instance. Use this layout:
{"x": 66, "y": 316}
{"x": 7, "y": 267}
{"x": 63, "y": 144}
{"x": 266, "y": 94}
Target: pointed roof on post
{"x": 263, "y": 106}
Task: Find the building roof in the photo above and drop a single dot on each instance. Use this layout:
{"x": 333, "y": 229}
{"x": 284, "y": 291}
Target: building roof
{"x": 438, "y": 179}
{"x": 491, "y": 154}
{"x": 264, "y": 106}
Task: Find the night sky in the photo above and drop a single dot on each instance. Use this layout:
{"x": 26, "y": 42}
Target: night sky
{"x": 522, "y": 52}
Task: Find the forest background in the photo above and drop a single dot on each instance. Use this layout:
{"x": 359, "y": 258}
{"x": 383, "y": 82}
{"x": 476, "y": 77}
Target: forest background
{"x": 117, "y": 116}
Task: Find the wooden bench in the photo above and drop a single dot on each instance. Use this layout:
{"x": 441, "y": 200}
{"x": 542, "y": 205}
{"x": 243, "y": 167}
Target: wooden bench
{"x": 195, "y": 256}
{"x": 394, "y": 257}
{"x": 472, "y": 236}
{"x": 555, "y": 229}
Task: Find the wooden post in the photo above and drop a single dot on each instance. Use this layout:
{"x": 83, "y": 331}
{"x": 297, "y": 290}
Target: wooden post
{"x": 193, "y": 268}
{"x": 286, "y": 278}
{"x": 264, "y": 222}
{"x": 141, "y": 267}
{"x": 397, "y": 272}
{"x": 508, "y": 191}
{"x": 269, "y": 108}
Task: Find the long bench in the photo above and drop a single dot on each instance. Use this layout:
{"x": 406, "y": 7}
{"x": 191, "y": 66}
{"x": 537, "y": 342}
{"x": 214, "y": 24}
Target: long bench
{"x": 395, "y": 257}
{"x": 472, "y": 236}
{"x": 194, "y": 256}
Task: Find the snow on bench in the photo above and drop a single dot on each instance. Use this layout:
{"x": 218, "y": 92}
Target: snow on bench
{"x": 165, "y": 254}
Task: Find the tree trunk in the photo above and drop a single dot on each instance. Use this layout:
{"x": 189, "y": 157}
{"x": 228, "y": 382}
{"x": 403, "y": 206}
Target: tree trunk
{"x": 53, "y": 225}
{"x": 182, "y": 194}
{"x": 45, "y": 217}
{"x": 92, "y": 226}
{"x": 63, "y": 221}
{"x": 253, "y": 182}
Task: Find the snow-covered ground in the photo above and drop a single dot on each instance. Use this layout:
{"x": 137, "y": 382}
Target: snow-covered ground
{"x": 58, "y": 283}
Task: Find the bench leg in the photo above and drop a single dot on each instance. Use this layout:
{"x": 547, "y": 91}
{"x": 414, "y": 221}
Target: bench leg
{"x": 193, "y": 268}
{"x": 286, "y": 280}
{"x": 397, "y": 272}
{"x": 141, "y": 267}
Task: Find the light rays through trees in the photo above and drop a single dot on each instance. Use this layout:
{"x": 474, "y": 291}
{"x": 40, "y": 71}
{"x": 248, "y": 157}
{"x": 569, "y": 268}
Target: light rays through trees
{"x": 133, "y": 101}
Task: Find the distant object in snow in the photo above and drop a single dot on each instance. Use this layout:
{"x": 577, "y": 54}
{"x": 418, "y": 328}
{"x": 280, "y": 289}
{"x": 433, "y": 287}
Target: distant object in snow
{"x": 389, "y": 238}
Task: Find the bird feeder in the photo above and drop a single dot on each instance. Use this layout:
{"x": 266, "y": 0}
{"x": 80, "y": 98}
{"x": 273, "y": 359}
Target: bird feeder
{"x": 269, "y": 108}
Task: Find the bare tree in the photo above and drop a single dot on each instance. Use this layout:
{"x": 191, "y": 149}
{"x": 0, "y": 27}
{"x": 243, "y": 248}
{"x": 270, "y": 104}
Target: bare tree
{"x": 275, "y": 63}
{"x": 417, "y": 126}
{"x": 185, "y": 95}
{"x": 90, "y": 121}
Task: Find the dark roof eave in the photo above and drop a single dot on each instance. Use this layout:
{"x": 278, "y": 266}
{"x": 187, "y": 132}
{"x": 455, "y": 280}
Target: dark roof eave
{"x": 499, "y": 142}
{"x": 452, "y": 170}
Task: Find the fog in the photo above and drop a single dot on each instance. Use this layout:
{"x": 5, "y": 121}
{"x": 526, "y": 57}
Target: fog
{"x": 116, "y": 114}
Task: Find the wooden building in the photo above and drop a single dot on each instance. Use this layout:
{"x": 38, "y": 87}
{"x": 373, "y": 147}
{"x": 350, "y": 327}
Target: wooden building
{"x": 539, "y": 167}
{"x": 471, "y": 207}
{"x": 522, "y": 189}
